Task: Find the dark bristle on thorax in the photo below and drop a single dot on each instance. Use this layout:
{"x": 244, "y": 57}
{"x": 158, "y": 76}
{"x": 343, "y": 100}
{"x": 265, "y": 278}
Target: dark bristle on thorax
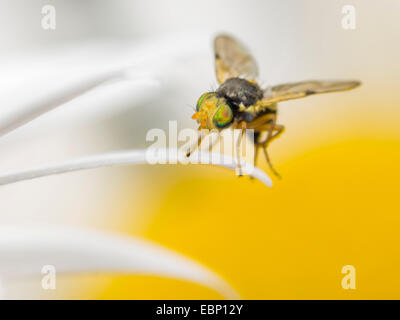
{"x": 240, "y": 91}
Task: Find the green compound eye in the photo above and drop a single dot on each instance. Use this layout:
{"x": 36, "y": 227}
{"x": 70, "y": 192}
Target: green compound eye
{"x": 223, "y": 116}
{"x": 200, "y": 101}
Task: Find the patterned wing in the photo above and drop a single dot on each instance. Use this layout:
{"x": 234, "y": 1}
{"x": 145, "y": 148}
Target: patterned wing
{"x": 232, "y": 59}
{"x": 303, "y": 89}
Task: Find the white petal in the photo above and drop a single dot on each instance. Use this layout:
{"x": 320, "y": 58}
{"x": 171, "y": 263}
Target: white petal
{"x": 21, "y": 114}
{"x": 124, "y": 157}
{"x": 25, "y": 250}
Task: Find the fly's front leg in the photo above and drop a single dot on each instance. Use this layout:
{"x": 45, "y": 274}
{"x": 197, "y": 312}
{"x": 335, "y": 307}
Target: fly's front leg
{"x": 214, "y": 140}
{"x": 197, "y": 145}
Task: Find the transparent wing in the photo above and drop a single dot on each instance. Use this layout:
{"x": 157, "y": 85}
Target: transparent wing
{"x": 303, "y": 89}
{"x": 232, "y": 59}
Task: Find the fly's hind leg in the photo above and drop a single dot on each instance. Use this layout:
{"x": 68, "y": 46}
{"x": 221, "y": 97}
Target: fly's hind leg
{"x": 276, "y": 133}
{"x": 273, "y": 131}
{"x": 271, "y": 167}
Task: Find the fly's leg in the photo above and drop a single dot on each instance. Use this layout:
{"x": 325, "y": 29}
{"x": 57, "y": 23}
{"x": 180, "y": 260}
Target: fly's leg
{"x": 256, "y": 151}
{"x": 271, "y": 167}
{"x": 273, "y": 133}
{"x": 266, "y": 124}
{"x": 213, "y": 141}
{"x": 242, "y": 126}
{"x": 277, "y": 132}
{"x": 195, "y": 146}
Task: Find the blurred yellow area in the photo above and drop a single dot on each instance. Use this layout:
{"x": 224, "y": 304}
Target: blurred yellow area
{"x": 336, "y": 205}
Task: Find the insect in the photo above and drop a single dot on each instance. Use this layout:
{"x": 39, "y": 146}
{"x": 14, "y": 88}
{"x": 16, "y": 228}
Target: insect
{"x": 240, "y": 103}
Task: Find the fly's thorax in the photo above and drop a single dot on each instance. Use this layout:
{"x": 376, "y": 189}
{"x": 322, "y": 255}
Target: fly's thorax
{"x": 238, "y": 91}
{"x": 213, "y": 112}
